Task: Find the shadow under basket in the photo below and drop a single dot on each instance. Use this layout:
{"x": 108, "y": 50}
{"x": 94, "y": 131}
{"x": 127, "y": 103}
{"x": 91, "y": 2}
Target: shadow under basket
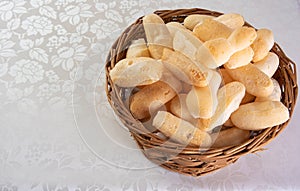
{"x": 190, "y": 160}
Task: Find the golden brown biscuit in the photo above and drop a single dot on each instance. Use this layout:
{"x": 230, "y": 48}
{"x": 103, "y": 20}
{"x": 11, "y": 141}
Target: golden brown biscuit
{"x": 180, "y": 130}
{"x": 242, "y": 38}
{"x": 262, "y": 44}
{"x": 260, "y": 115}
{"x": 185, "y": 69}
{"x": 192, "y": 20}
{"x": 240, "y": 58}
{"x": 257, "y": 83}
{"x": 220, "y": 49}
{"x": 232, "y": 20}
{"x": 211, "y": 29}
{"x": 202, "y": 101}
{"x": 151, "y": 97}
{"x": 269, "y": 64}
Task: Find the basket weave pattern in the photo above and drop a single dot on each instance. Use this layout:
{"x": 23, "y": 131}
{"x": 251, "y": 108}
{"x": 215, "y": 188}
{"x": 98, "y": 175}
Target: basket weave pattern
{"x": 173, "y": 156}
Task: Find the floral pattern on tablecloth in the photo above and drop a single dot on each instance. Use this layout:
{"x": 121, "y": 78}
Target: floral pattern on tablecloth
{"x": 44, "y": 48}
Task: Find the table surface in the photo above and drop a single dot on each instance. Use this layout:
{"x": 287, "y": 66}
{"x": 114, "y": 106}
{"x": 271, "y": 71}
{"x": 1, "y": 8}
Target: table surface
{"x": 52, "y": 137}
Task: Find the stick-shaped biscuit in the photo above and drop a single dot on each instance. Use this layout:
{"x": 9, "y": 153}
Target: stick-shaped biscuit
{"x": 131, "y": 72}
{"x": 185, "y": 69}
{"x": 192, "y": 20}
{"x": 242, "y": 37}
{"x": 214, "y": 53}
{"x": 211, "y": 29}
{"x": 178, "y": 108}
{"x": 257, "y": 83}
{"x": 232, "y": 20}
{"x": 229, "y": 99}
{"x": 180, "y": 131}
{"x": 260, "y": 115}
{"x": 152, "y": 96}
{"x": 269, "y": 64}
{"x": 240, "y": 58}
{"x": 230, "y": 137}
{"x": 138, "y": 48}
{"x": 202, "y": 101}
{"x": 203, "y": 123}
{"x": 262, "y": 44}
{"x": 157, "y": 34}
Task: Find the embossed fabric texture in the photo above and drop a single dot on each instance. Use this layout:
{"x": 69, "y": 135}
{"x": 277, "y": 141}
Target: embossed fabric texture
{"x": 51, "y": 48}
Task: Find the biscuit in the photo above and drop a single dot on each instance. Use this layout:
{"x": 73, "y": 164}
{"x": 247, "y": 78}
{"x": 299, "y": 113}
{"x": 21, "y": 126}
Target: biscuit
{"x": 185, "y": 69}
{"x": 269, "y": 64}
{"x": 131, "y": 72}
{"x": 211, "y": 29}
{"x": 180, "y": 131}
{"x": 262, "y": 44}
{"x": 256, "y": 82}
{"x": 150, "y": 97}
{"x": 260, "y": 115}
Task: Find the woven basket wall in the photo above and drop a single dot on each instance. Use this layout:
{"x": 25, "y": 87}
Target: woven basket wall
{"x": 190, "y": 160}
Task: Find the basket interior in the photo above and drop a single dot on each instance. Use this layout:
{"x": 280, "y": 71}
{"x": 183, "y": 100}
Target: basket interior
{"x": 171, "y": 155}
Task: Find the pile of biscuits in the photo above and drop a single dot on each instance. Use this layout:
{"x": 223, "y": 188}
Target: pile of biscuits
{"x": 206, "y": 83}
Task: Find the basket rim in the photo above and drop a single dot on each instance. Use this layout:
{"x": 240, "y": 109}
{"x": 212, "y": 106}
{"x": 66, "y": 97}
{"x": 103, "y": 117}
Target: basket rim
{"x": 144, "y": 140}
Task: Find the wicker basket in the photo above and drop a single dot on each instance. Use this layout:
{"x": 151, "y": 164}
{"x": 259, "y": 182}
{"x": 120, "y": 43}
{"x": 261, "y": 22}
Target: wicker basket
{"x": 173, "y": 156}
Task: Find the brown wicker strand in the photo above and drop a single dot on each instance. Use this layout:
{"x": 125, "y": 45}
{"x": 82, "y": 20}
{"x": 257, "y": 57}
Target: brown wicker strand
{"x": 173, "y": 156}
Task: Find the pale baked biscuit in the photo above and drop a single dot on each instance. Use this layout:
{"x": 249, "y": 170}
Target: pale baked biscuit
{"x": 242, "y": 37}
{"x": 192, "y": 20}
{"x": 152, "y": 96}
{"x": 232, "y": 20}
{"x": 269, "y": 64}
{"x": 262, "y": 44}
{"x": 260, "y": 115}
{"x": 256, "y": 82}
{"x": 180, "y": 131}
{"x": 211, "y": 29}
{"x": 131, "y": 72}
{"x": 240, "y": 58}
{"x": 185, "y": 69}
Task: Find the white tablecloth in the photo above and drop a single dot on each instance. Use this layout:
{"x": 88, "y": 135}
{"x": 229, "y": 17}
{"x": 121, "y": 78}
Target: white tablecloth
{"x": 54, "y": 138}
